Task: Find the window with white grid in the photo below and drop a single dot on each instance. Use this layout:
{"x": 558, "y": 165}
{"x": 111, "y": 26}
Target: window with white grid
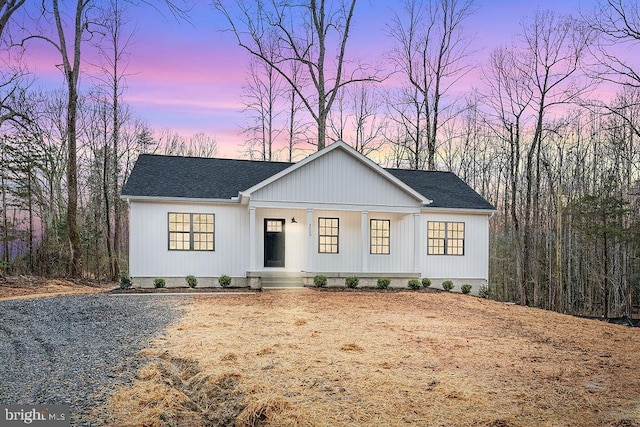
{"x": 191, "y": 232}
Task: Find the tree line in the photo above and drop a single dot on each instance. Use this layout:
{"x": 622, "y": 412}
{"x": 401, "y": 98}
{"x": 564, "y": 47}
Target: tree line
{"x": 549, "y": 134}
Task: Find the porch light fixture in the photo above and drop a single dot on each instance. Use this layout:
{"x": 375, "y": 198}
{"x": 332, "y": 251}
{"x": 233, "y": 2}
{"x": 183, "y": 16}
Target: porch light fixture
{"x": 293, "y": 220}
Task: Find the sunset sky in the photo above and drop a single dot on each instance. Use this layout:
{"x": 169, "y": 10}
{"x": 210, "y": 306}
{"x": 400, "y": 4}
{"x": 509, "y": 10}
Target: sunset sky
{"x": 187, "y": 76}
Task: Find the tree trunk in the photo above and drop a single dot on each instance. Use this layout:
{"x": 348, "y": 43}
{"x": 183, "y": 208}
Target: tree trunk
{"x": 30, "y": 212}
{"x": 71, "y": 73}
{"x": 5, "y": 221}
{"x": 107, "y": 210}
{"x": 72, "y": 187}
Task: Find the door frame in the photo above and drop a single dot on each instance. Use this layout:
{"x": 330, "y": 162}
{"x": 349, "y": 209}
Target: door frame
{"x": 281, "y": 247}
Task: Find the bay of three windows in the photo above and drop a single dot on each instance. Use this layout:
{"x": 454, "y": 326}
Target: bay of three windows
{"x": 443, "y": 238}
{"x": 196, "y": 232}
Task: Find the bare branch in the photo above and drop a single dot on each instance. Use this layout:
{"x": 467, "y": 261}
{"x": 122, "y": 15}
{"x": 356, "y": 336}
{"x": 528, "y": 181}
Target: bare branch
{"x": 304, "y": 33}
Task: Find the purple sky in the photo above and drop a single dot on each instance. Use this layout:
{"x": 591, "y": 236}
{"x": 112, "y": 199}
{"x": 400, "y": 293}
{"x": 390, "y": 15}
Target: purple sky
{"x": 187, "y": 76}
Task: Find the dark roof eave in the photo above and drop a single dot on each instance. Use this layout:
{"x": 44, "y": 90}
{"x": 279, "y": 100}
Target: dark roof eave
{"x": 233, "y": 200}
{"x": 483, "y": 211}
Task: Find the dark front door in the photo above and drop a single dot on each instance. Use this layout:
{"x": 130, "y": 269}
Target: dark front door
{"x": 274, "y": 242}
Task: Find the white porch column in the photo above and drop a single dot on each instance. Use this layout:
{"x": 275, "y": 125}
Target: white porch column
{"x": 417, "y": 240}
{"x": 310, "y": 246}
{"x": 252, "y": 239}
{"x": 364, "y": 231}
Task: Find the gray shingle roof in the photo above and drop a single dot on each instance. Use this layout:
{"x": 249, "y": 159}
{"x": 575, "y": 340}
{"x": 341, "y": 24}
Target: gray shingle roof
{"x": 196, "y": 177}
{"x": 206, "y": 178}
{"x": 444, "y": 188}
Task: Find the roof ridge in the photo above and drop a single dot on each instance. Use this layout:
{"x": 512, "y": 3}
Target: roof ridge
{"x": 418, "y": 170}
{"x": 179, "y": 156}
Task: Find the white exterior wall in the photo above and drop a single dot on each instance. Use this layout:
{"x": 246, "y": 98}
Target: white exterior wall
{"x": 294, "y": 234}
{"x": 351, "y": 248}
{"x": 349, "y": 258}
{"x": 150, "y": 257}
{"x": 474, "y": 264}
{"x": 400, "y": 258}
{"x": 149, "y": 254}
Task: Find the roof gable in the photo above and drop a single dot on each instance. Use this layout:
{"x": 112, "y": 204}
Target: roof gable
{"x": 324, "y": 176}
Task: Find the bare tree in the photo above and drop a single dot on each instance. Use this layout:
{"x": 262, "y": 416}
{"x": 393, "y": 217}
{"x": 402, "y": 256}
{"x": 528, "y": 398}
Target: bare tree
{"x": 11, "y": 74}
{"x": 430, "y": 52}
{"x": 356, "y": 119}
{"x": 297, "y": 127}
{"x": 261, "y": 95}
{"x": 113, "y": 52}
{"x": 618, "y": 24}
{"x": 313, "y": 34}
{"x": 172, "y": 143}
{"x": 8, "y": 8}
{"x": 526, "y": 83}
{"x": 70, "y": 55}
{"x": 509, "y": 96}
{"x": 556, "y": 46}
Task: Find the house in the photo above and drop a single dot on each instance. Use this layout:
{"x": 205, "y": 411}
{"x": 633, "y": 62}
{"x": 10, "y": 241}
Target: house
{"x": 335, "y": 213}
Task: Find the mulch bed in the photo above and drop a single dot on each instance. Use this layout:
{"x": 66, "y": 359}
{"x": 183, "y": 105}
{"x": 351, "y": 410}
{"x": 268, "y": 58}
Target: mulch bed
{"x": 196, "y": 290}
{"x": 372, "y": 289}
{"x": 181, "y": 290}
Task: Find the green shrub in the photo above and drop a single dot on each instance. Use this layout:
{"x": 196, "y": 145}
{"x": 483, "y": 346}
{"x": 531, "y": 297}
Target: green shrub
{"x": 224, "y": 281}
{"x": 4, "y": 266}
{"x": 192, "y": 281}
{"x": 466, "y": 288}
{"x": 483, "y": 292}
{"x": 320, "y": 281}
{"x": 447, "y": 285}
{"x": 125, "y": 280}
{"x": 351, "y": 282}
{"x": 415, "y": 284}
{"x": 159, "y": 282}
{"x": 383, "y": 283}
{"x": 426, "y": 282}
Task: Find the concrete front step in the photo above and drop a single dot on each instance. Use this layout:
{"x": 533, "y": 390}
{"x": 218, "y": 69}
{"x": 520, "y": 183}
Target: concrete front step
{"x": 284, "y": 282}
{"x": 277, "y": 279}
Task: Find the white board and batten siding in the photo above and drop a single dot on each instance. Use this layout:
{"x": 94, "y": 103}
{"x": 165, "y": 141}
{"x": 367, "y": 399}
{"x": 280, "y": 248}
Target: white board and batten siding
{"x": 335, "y": 179}
{"x": 401, "y": 239}
{"x": 473, "y": 265}
{"x": 349, "y": 256}
{"x": 351, "y": 247}
{"x": 149, "y": 241}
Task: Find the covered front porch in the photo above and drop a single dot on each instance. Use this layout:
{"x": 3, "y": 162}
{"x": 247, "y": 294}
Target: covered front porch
{"x": 289, "y": 245}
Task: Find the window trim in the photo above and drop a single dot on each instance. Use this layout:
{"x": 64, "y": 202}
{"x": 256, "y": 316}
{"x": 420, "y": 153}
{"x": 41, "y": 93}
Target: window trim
{"x": 446, "y": 239}
{"x": 337, "y": 236}
{"x": 191, "y": 232}
{"x": 371, "y": 237}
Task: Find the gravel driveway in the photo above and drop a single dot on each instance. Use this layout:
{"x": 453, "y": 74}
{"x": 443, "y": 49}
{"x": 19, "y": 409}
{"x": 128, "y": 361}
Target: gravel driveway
{"x": 77, "y": 350}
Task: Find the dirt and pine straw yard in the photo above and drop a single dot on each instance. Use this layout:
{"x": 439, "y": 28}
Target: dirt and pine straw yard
{"x": 309, "y": 358}
{"x": 19, "y": 287}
